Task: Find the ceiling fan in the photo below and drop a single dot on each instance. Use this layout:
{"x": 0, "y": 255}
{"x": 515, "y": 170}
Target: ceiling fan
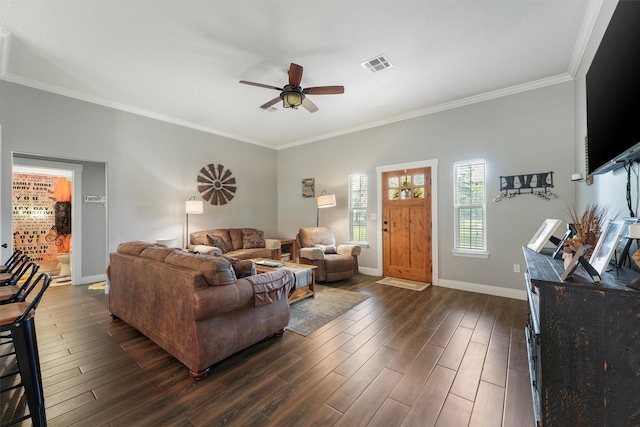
{"x": 292, "y": 95}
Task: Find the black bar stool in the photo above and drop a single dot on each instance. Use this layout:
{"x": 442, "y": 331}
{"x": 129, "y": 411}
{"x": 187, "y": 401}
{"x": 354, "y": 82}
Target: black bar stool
{"x": 22, "y": 288}
{"x": 9, "y": 277}
{"x": 18, "y": 320}
{"x": 8, "y": 263}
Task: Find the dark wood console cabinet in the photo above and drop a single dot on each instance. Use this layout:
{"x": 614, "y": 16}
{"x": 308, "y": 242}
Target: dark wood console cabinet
{"x": 583, "y": 342}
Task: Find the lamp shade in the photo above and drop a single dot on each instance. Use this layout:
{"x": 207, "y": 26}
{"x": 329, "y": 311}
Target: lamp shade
{"x": 326, "y": 201}
{"x": 193, "y": 207}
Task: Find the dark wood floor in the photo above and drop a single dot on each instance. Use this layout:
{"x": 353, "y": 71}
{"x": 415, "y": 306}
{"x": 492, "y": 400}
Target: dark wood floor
{"x": 439, "y": 357}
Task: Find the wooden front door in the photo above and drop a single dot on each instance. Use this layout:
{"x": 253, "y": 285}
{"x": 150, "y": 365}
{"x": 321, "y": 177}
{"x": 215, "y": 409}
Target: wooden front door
{"x": 406, "y": 224}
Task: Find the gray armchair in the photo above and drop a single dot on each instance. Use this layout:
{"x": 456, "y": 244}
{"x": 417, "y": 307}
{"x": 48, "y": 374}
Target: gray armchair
{"x": 317, "y": 246}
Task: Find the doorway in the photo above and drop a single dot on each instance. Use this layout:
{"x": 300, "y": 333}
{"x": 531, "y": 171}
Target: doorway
{"x": 407, "y": 206}
{"x": 48, "y": 224}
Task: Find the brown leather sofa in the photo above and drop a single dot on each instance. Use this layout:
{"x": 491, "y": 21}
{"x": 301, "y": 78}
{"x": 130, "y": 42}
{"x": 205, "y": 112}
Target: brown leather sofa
{"x": 242, "y": 243}
{"x": 317, "y": 246}
{"x": 193, "y": 306}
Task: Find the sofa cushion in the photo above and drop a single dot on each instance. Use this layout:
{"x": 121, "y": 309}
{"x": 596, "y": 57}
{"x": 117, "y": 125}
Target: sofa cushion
{"x": 251, "y": 253}
{"x": 252, "y": 238}
{"x": 157, "y": 253}
{"x": 218, "y": 242}
{"x": 242, "y": 267}
{"x": 236, "y": 238}
{"x": 216, "y": 270}
{"x": 135, "y": 247}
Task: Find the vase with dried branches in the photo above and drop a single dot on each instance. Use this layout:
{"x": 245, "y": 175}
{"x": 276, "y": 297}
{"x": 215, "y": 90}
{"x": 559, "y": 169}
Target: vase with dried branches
{"x": 588, "y": 226}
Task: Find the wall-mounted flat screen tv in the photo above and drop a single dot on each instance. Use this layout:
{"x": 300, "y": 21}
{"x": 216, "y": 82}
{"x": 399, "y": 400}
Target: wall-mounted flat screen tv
{"x": 613, "y": 93}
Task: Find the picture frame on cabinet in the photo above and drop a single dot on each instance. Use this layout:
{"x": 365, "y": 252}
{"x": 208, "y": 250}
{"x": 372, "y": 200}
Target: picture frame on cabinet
{"x": 578, "y": 259}
{"x": 607, "y": 244}
{"x": 543, "y": 234}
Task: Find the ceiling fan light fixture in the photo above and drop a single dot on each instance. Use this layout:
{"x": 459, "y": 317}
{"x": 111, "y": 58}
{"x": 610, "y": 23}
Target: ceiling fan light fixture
{"x": 291, "y": 99}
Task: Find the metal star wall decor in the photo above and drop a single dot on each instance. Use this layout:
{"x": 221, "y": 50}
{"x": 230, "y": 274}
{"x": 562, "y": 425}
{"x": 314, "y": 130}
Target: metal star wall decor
{"x": 216, "y": 184}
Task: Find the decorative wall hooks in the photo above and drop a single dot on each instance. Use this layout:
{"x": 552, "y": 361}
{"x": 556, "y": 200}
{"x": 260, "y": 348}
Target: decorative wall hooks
{"x": 539, "y": 184}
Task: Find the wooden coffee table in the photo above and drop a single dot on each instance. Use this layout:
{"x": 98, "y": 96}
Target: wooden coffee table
{"x": 298, "y": 293}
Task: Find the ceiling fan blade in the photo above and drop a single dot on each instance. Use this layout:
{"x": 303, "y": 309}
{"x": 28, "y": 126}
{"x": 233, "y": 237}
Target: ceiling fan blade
{"x": 323, "y": 90}
{"x": 295, "y": 74}
{"x": 270, "y": 103}
{"x": 244, "y": 82}
{"x": 310, "y": 106}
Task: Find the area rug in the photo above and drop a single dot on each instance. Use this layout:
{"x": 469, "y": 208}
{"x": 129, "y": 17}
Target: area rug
{"x": 60, "y": 281}
{"x": 98, "y": 285}
{"x": 310, "y": 314}
{"x": 405, "y": 284}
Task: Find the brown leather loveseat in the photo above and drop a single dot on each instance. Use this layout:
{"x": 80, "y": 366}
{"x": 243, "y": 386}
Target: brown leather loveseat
{"x": 242, "y": 243}
{"x": 193, "y": 306}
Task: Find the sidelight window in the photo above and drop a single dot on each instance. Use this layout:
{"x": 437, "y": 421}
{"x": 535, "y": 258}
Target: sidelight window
{"x": 358, "y": 209}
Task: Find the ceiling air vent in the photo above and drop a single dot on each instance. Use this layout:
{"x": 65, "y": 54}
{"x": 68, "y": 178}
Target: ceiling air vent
{"x": 376, "y": 64}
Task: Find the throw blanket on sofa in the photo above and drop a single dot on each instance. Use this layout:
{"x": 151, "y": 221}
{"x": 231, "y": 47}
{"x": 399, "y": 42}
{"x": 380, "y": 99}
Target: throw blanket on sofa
{"x": 267, "y": 290}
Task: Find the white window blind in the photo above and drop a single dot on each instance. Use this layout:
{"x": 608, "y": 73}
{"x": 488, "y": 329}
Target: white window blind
{"x": 470, "y": 206}
{"x": 358, "y": 208}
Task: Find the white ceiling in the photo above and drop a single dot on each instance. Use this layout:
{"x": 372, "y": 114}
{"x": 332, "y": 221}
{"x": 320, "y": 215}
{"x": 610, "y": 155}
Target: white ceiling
{"x": 181, "y": 61}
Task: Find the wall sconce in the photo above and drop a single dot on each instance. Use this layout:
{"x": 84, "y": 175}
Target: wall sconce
{"x": 191, "y": 207}
{"x": 324, "y": 200}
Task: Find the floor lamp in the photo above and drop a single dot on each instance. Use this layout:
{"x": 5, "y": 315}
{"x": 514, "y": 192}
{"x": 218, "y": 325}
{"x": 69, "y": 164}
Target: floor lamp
{"x": 324, "y": 200}
{"x": 191, "y": 207}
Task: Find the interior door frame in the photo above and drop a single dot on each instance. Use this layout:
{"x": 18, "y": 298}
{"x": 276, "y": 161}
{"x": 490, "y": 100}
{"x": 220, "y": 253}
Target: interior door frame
{"x": 433, "y": 164}
{"x": 76, "y": 205}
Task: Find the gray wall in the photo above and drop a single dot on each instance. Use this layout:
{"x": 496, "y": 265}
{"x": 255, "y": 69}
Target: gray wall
{"x": 528, "y": 132}
{"x": 152, "y": 165}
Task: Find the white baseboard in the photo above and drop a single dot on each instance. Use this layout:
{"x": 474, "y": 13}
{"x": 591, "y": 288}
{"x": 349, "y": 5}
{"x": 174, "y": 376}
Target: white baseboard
{"x": 369, "y": 271}
{"x": 484, "y": 289}
{"x": 85, "y": 280}
{"x": 465, "y": 286}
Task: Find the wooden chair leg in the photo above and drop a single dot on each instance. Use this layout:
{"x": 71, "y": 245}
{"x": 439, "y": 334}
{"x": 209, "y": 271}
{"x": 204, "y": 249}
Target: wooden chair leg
{"x": 197, "y": 376}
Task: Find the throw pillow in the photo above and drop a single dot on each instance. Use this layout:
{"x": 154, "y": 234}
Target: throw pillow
{"x": 252, "y": 238}
{"x": 242, "y": 267}
{"x": 328, "y": 249}
{"x": 218, "y": 242}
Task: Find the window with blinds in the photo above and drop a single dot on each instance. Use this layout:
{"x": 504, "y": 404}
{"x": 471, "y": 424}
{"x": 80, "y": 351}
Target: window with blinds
{"x": 470, "y": 207}
{"x": 358, "y": 209}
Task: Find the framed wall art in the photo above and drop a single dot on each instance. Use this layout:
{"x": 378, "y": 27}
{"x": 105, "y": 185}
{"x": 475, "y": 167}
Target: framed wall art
{"x": 308, "y": 187}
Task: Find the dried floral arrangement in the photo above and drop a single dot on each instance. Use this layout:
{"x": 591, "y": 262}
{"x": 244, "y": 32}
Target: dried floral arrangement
{"x": 588, "y": 226}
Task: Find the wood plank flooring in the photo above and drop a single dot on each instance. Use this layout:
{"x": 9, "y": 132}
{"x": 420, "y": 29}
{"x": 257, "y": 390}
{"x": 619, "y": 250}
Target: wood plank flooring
{"x": 439, "y": 357}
